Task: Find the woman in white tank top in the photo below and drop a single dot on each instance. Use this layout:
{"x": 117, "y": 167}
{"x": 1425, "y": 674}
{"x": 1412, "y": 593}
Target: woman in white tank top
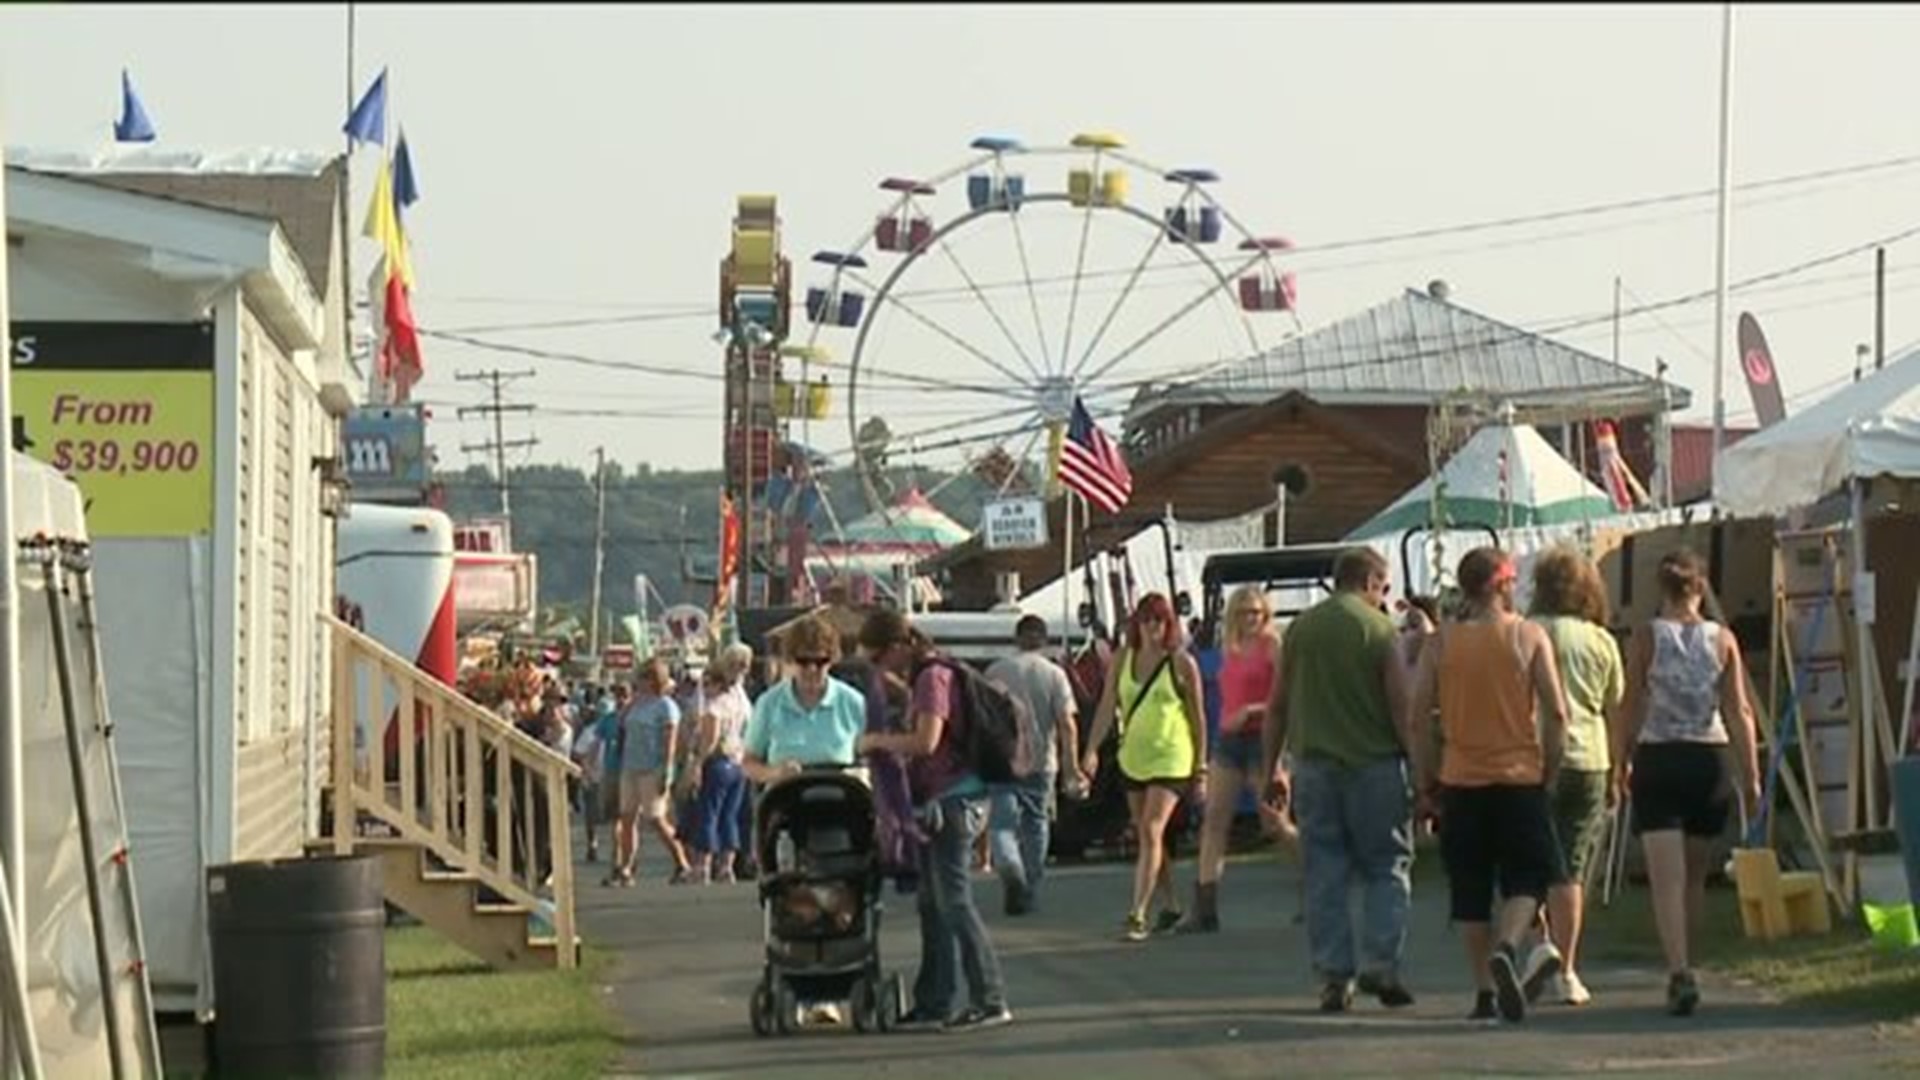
{"x": 1686, "y": 711}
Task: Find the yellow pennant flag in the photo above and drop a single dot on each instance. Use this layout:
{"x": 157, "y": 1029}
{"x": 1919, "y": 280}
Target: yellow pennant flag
{"x": 383, "y": 226}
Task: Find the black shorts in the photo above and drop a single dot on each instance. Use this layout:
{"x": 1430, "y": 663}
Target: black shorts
{"x": 1681, "y": 786}
{"x": 1500, "y": 835}
{"x": 1176, "y": 784}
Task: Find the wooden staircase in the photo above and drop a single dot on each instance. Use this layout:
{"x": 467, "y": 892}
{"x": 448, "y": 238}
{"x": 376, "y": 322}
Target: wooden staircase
{"x": 469, "y": 817}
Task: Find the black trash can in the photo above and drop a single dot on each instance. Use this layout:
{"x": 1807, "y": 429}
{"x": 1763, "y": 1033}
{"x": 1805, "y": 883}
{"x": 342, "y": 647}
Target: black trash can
{"x": 299, "y": 968}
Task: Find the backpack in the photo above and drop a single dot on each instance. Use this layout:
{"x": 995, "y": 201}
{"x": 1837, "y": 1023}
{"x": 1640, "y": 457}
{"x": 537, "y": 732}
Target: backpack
{"x": 997, "y": 728}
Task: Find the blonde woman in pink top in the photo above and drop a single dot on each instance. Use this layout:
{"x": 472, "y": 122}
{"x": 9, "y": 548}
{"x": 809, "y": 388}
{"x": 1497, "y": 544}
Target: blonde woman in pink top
{"x": 1249, "y": 658}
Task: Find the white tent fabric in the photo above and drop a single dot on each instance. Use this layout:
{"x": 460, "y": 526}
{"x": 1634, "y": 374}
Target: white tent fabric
{"x": 63, "y": 980}
{"x": 1541, "y": 487}
{"x": 1871, "y": 428}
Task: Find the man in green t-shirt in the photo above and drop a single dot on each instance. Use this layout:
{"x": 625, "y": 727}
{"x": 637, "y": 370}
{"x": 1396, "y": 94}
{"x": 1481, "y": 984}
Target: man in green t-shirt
{"x": 1340, "y": 696}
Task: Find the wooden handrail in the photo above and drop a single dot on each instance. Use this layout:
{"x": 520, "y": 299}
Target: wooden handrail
{"x": 463, "y": 783}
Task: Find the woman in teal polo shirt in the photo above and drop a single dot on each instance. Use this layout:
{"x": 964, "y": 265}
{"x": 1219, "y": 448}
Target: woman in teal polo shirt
{"x": 807, "y": 718}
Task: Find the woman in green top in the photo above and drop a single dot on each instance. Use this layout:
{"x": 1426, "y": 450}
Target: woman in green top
{"x": 1570, "y": 602}
{"x": 1153, "y": 690}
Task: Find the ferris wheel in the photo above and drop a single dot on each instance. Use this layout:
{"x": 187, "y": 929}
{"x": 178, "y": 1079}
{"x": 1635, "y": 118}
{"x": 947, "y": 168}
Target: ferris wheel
{"x": 985, "y": 299}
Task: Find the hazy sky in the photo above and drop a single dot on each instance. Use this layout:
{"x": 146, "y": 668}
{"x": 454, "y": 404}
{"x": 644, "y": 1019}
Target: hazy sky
{"x": 581, "y": 163}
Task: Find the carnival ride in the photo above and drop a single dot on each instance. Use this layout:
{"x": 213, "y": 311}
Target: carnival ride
{"x": 1003, "y": 376}
{"x": 959, "y": 313}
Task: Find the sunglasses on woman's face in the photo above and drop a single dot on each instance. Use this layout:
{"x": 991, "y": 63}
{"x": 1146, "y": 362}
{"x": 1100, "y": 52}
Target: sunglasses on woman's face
{"x": 811, "y": 661}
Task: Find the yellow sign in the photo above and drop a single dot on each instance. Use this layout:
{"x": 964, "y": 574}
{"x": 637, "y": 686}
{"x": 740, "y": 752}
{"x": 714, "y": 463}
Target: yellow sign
{"x": 139, "y": 444}
{"x": 125, "y": 410}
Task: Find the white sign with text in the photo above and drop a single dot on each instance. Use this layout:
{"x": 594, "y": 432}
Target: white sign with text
{"x": 1012, "y": 524}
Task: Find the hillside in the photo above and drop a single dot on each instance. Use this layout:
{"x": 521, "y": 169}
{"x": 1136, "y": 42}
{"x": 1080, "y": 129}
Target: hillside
{"x": 655, "y": 521}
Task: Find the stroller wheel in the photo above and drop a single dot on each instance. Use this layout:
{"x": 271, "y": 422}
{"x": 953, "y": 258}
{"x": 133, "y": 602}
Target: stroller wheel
{"x": 760, "y": 1010}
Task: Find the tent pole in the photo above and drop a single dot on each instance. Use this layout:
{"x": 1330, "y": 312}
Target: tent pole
{"x": 1863, "y": 619}
{"x": 13, "y": 832}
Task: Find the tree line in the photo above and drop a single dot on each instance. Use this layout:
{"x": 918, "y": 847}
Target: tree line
{"x": 660, "y": 522}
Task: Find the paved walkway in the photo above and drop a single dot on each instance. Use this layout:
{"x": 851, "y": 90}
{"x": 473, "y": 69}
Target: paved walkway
{"x": 1239, "y": 1003}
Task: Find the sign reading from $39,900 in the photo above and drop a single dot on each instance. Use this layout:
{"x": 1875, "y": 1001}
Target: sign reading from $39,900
{"x": 1012, "y": 524}
{"x": 125, "y": 410}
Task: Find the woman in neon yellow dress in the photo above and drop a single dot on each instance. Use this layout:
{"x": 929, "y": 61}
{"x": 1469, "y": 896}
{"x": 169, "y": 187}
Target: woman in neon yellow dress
{"x": 1153, "y": 690}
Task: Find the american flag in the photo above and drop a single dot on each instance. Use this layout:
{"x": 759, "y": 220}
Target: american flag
{"x": 1092, "y": 464}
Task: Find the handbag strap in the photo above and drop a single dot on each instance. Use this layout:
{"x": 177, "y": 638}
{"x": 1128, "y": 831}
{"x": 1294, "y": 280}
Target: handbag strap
{"x": 1140, "y": 694}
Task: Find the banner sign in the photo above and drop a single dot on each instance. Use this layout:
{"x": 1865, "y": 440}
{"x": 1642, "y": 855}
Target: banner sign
{"x": 1763, "y": 379}
{"x": 385, "y": 447}
{"x": 1013, "y": 524}
{"x": 125, "y": 410}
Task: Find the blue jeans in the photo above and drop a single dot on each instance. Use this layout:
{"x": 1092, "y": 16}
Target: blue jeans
{"x": 1017, "y": 830}
{"x": 723, "y": 787}
{"x": 1355, "y": 822}
{"x": 952, "y": 937}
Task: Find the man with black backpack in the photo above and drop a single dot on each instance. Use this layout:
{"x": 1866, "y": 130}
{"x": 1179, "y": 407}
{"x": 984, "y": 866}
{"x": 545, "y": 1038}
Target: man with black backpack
{"x": 962, "y": 733}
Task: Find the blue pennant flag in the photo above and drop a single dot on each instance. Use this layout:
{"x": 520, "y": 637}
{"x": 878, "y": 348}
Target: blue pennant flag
{"x": 368, "y": 122}
{"x": 406, "y": 190}
{"x": 134, "y": 125}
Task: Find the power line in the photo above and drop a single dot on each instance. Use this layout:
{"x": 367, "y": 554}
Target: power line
{"x": 689, "y": 309}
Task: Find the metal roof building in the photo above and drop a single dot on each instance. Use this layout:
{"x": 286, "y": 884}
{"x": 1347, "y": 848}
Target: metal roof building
{"x": 1418, "y": 349}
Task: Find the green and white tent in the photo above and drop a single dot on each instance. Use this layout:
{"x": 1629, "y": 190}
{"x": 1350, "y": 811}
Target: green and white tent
{"x": 1542, "y": 488}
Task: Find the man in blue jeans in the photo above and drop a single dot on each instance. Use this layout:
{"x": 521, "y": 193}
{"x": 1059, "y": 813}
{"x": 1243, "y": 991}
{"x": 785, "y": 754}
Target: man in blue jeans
{"x": 1022, "y": 808}
{"x": 951, "y": 801}
{"x": 1341, "y": 696}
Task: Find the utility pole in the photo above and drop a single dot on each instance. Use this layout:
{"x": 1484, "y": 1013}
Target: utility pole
{"x": 498, "y": 380}
{"x": 1879, "y": 308}
{"x": 599, "y": 553}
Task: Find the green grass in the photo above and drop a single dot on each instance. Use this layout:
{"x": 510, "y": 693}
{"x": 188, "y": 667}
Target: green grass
{"x": 450, "y": 1016}
{"x": 1842, "y": 971}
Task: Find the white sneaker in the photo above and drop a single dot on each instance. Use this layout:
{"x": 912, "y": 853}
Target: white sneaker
{"x": 1569, "y": 990}
{"x": 1543, "y": 964}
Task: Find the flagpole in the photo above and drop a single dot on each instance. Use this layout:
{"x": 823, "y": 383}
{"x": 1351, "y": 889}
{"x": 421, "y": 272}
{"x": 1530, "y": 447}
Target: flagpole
{"x": 1725, "y": 234}
{"x": 1066, "y": 576}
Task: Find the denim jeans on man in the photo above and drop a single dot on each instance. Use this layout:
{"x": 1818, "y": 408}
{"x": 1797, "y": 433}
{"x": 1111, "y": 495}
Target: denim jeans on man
{"x": 1017, "y": 831}
{"x": 1355, "y": 822}
{"x": 952, "y": 937}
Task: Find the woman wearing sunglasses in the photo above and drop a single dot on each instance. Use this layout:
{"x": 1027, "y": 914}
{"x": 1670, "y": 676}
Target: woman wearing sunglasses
{"x": 806, "y": 718}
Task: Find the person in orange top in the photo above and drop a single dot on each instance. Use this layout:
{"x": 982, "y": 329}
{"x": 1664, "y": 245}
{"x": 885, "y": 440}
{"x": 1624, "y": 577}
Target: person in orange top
{"x": 1493, "y": 674}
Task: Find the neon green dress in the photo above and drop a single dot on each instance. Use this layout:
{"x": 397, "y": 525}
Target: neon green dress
{"x": 1156, "y": 743}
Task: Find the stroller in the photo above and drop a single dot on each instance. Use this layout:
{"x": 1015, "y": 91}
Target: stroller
{"x": 820, "y": 897}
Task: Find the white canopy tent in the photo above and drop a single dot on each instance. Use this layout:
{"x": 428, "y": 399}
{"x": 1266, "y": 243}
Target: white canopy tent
{"x": 1507, "y": 475}
{"x": 1869, "y": 429}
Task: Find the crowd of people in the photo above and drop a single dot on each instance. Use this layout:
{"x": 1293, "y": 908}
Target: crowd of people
{"x": 1512, "y": 735}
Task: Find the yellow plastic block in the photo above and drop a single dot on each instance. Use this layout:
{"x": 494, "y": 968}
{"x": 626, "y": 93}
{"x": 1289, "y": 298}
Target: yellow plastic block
{"x": 1113, "y": 187}
{"x": 1774, "y": 905}
{"x": 819, "y": 400}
